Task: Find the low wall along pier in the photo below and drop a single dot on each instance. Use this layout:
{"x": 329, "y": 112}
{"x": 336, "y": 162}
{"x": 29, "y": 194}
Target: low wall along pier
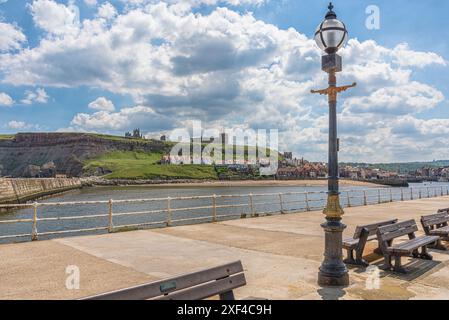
{"x": 14, "y": 190}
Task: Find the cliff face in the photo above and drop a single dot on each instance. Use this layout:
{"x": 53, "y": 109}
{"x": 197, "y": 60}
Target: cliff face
{"x": 66, "y": 150}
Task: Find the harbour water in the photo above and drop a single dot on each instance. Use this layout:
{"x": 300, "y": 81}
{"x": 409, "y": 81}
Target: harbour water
{"x": 294, "y": 200}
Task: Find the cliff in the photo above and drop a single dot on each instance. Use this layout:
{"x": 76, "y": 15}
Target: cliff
{"x": 67, "y": 151}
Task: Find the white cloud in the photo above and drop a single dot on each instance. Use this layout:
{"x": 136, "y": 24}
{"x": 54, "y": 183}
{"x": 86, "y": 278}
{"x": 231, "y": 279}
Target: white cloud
{"x": 55, "y": 18}
{"x": 38, "y": 96}
{"x": 228, "y": 68}
{"x": 5, "y": 100}
{"x": 11, "y": 37}
{"x": 406, "y": 57}
{"x": 21, "y": 125}
{"x": 102, "y": 104}
{"x": 107, "y": 11}
{"x": 139, "y": 116}
{"x": 90, "y": 3}
{"x": 413, "y": 97}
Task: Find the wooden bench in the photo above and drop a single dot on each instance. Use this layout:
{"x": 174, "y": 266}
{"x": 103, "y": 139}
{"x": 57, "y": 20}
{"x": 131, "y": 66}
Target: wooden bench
{"x": 357, "y": 243}
{"x": 437, "y": 225}
{"x": 221, "y": 280}
{"x": 443, "y": 210}
{"x": 387, "y": 234}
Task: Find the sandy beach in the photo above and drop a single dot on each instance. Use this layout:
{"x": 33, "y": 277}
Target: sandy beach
{"x": 262, "y": 183}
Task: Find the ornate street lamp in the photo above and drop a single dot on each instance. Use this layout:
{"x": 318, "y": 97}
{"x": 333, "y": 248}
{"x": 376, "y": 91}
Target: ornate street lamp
{"x": 330, "y": 36}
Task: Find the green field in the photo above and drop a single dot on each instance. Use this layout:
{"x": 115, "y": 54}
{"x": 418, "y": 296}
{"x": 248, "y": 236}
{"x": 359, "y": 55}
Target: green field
{"x": 6, "y": 136}
{"x": 140, "y": 165}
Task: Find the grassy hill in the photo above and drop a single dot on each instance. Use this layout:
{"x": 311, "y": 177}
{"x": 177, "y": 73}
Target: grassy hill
{"x": 140, "y": 165}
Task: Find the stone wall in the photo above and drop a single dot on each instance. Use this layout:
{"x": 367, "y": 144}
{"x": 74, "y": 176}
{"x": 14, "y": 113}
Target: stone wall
{"x": 14, "y": 190}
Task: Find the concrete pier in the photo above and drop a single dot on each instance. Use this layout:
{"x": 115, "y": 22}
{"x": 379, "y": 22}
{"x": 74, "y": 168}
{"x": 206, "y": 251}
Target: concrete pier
{"x": 18, "y": 190}
{"x": 281, "y": 255}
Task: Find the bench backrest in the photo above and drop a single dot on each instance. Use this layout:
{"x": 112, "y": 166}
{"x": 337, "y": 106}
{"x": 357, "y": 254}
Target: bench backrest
{"x": 396, "y": 230}
{"x": 193, "y": 286}
{"x": 372, "y": 228}
{"x": 435, "y": 219}
{"x": 443, "y": 210}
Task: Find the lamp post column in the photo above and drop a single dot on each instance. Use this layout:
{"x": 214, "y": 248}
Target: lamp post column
{"x": 330, "y": 36}
{"x": 333, "y": 271}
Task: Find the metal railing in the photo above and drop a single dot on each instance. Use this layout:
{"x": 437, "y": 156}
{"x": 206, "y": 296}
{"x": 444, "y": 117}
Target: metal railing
{"x": 208, "y": 210}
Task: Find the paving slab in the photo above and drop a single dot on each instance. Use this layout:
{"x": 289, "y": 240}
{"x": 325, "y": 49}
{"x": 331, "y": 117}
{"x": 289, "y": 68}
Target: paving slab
{"x": 280, "y": 254}
{"x": 38, "y": 270}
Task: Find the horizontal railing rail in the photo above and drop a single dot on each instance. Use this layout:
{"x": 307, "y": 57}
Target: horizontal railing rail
{"x": 207, "y": 210}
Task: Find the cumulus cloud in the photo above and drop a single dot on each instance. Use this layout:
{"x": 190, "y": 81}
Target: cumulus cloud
{"x": 139, "y": 116}
{"x": 21, "y": 125}
{"x": 229, "y": 69}
{"x": 90, "y": 3}
{"x": 11, "y": 37}
{"x": 102, "y": 104}
{"x": 55, "y": 18}
{"x": 107, "y": 11}
{"x": 5, "y": 100}
{"x": 413, "y": 97}
{"x": 38, "y": 96}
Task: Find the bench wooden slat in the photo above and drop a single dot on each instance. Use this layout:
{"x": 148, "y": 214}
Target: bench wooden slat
{"x": 157, "y": 288}
{"x": 440, "y": 231}
{"x": 204, "y": 291}
{"x": 351, "y": 242}
{"x": 435, "y": 219}
{"x": 409, "y": 246}
{"x": 397, "y": 230}
{"x": 372, "y": 228}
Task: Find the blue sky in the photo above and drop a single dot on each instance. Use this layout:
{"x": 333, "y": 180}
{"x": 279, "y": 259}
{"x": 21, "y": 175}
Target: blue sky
{"x": 110, "y": 66}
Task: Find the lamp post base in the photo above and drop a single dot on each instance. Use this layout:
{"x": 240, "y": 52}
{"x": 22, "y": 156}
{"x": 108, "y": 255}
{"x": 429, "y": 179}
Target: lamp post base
{"x": 333, "y": 271}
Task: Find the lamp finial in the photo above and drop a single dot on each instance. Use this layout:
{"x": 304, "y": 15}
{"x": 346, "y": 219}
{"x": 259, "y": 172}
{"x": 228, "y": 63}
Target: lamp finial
{"x": 331, "y": 14}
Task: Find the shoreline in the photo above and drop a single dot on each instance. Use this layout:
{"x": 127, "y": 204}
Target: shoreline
{"x": 239, "y": 183}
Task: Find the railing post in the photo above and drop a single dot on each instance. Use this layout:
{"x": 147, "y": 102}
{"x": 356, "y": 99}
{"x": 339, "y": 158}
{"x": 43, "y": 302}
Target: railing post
{"x": 420, "y": 194}
{"x": 411, "y": 194}
{"x": 214, "y": 208}
{"x": 365, "y": 202}
{"x": 169, "y": 224}
{"x": 349, "y": 199}
{"x": 34, "y": 236}
{"x": 435, "y": 192}
{"x": 251, "y": 205}
{"x": 391, "y": 195}
{"x": 402, "y": 194}
{"x": 447, "y": 191}
{"x": 281, "y": 205}
{"x": 110, "y": 225}
{"x": 428, "y": 192}
{"x": 441, "y": 190}
{"x": 378, "y": 196}
{"x": 307, "y": 201}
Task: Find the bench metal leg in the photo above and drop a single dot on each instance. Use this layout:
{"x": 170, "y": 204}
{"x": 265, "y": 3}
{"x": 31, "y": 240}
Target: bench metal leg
{"x": 438, "y": 246}
{"x": 416, "y": 254}
{"x": 359, "y": 259}
{"x": 387, "y": 263}
{"x": 350, "y": 258}
{"x": 397, "y": 265}
{"x": 229, "y": 295}
{"x": 425, "y": 255}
